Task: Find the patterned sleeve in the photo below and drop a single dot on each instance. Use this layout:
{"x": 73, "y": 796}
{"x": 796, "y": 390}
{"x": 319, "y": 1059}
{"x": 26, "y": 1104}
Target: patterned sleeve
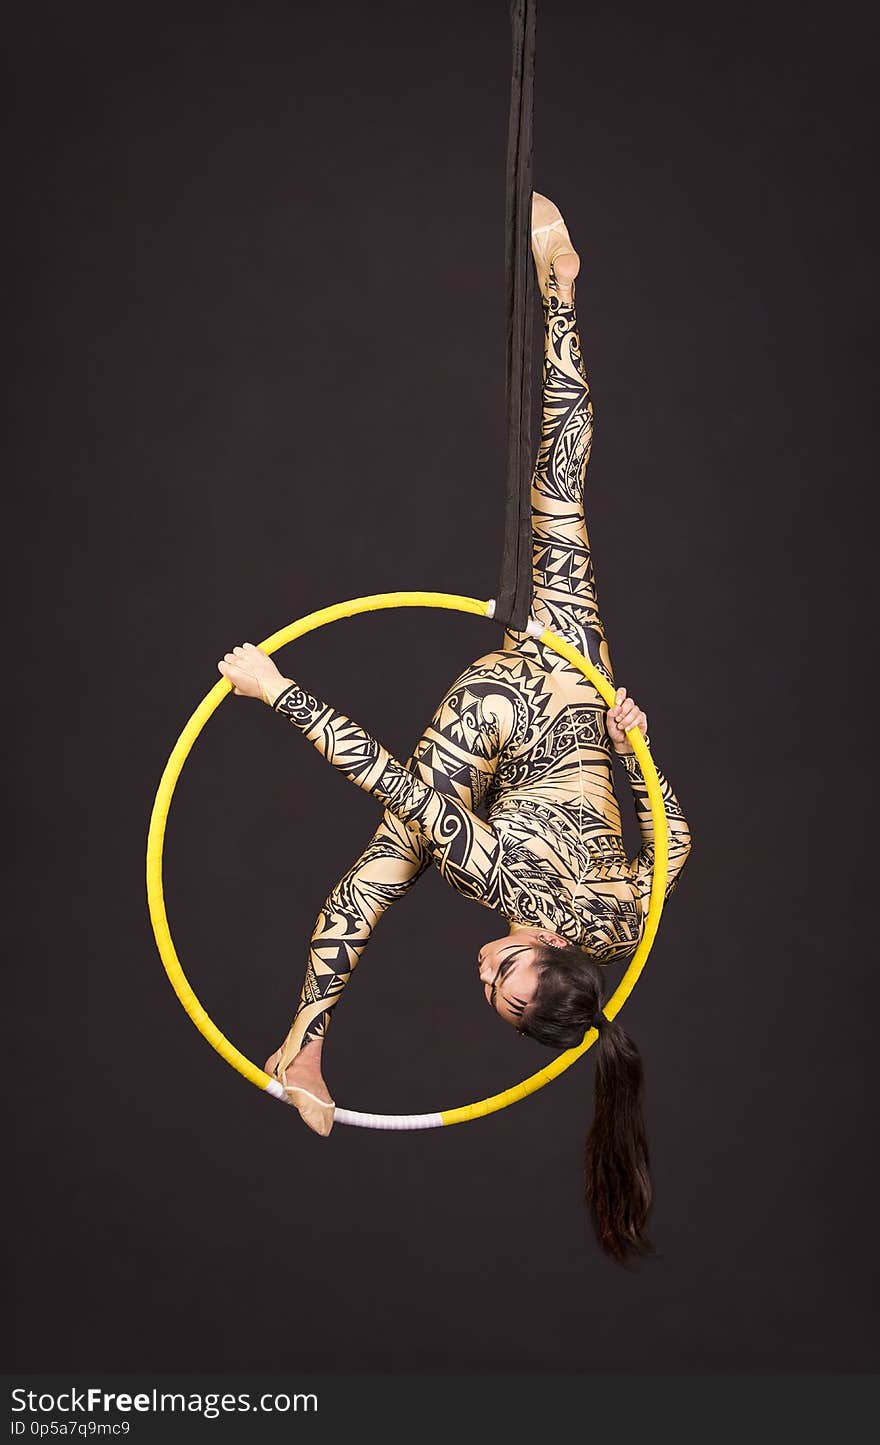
{"x": 465, "y": 849}
{"x": 678, "y": 832}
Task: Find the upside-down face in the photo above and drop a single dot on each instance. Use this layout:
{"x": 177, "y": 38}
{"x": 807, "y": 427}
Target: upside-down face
{"x": 509, "y": 972}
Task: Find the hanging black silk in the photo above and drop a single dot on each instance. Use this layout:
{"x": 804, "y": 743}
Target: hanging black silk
{"x": 514, "y": 596}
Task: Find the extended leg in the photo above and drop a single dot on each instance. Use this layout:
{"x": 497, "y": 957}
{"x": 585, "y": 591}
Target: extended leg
{"x": 565, "y": 597}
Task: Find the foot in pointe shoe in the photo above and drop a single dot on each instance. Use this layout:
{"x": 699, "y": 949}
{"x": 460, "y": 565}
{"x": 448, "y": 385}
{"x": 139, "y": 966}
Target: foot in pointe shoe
{"x": 556, "y": 261}
{"x": 315, "y": 1106}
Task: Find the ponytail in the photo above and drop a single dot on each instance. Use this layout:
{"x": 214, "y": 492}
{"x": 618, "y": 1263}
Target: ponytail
{"x": 618, "y": 1182}
{"x": 567, "y": 1002}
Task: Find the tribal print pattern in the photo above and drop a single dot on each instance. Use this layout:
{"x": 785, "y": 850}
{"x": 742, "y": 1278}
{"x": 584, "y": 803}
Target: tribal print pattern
{"x": 509, "y": 792}
{"x": 565, "y": 597}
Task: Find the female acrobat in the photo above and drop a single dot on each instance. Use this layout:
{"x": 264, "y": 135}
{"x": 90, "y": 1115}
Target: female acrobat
{"x": 509, "y": 793}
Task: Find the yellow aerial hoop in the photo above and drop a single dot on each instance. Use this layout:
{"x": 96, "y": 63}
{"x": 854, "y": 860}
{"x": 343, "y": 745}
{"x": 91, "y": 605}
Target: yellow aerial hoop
{"x": 385, "y": 601}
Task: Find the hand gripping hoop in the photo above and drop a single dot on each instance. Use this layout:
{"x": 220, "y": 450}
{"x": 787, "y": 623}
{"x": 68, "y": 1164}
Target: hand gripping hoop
{"x": 385, "y": 601}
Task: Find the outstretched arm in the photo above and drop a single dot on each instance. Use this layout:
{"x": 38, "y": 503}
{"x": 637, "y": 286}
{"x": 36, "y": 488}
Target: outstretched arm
{"x": 465, "y": 848}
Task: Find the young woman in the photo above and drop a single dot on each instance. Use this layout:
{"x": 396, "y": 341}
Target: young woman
{"x": 526, "y": 739}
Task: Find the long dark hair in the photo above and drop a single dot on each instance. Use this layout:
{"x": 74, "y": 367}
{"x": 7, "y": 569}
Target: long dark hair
{"x": 567, "y": 1002}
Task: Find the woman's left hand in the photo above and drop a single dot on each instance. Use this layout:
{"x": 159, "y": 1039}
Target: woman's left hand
{"x": 252, "y": 673}
{"x": 624, "y": 715}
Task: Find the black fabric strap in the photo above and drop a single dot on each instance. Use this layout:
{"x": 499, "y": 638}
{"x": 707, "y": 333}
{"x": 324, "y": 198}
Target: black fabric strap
{"x": 514, "y": 598}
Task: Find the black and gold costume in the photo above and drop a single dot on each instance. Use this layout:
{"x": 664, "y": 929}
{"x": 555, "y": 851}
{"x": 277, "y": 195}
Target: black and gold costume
{"x": 509, "y": 791}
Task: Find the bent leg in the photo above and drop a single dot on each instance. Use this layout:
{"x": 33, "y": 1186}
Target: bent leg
{"x": 392, "y": 862}
{"x": 456, "y": 757}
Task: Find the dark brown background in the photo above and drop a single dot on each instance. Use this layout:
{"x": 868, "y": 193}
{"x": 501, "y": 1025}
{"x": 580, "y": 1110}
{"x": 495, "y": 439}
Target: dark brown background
{"x": 259, "y": 368}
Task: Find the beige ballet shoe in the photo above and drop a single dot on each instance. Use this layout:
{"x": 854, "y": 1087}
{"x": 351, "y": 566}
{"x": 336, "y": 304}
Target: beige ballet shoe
{"x": 313, "y": 1111}
{"x": 550, "y": 239}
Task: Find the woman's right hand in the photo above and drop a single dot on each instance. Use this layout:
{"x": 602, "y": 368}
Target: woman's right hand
{"x": 625, "y": 714}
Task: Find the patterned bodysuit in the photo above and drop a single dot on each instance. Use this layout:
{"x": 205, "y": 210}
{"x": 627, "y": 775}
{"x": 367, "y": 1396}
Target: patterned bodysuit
{"x": 509, "y": 791}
